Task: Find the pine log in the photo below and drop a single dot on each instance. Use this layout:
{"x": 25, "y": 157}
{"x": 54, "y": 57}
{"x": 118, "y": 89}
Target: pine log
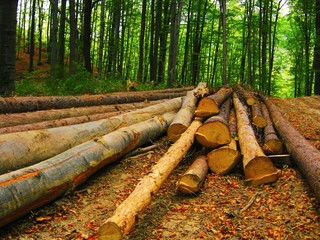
{"x": 14, "y": 119}
{"x": 258, "y": 168}
{"x": 209, "y": 106}
{"x": 59, "y": 122}
{"x": 26, "y": 189}
{"x": 124, "y": 217}
{"x": 23, "y": 149}
{"x": 246, "y": 95}
{"x": 272, "y": 144}
{"x": 215, "y": 130}
{"x": 257, "y": 117}
{"x": 224, "y": 159}
{"x": 192, "y": 180}
{"x": 305, "y": 155}
{"x": 185, "y": 115}
{"x": 28, "y": 104}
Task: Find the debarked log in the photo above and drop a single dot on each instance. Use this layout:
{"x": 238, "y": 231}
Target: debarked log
{"x": 258, "y": 168}
{"x": 215, "y": 130}
{"x": 23, "y": 149}
{"x": 14, "y": 119}
{"x": 124, "y": 217}
{"x": 192, "y": 180}
{"x": 209, "y": 106}
{"x": 305, "y": 155}
{"x": 26, "y": 189}
{"x": 185, "y": 115}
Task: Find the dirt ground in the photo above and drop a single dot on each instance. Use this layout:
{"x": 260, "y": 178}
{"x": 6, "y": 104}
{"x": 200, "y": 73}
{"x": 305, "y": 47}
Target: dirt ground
{"x": 286, "y": 209}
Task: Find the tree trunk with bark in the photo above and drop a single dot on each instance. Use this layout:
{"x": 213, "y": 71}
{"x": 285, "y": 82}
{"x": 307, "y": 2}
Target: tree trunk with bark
{"x": 257, "y": 117}
{"x": 243, "y": 93}
{"x": 185, "y": 115}
{"x": 215, "y": 130}
{"x": 209, "y": 106}
{"x": 124, "y": 217}
{"x": 258, "y": 168}
{"x": 27, "y": 104}
{"x": 23, "y": 190}
{"x": 306, "y": 156}
{"x": 26, "y": 118}
{"x": 192, "y": 180}
{"x": 22, "y": 149}
{"x": 272, "y": 144}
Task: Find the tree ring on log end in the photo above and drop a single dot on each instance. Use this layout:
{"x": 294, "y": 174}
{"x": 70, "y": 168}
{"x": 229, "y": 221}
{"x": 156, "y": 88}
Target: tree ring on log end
{"x": 110, "y": 231}
{"x": 189, "y": 183}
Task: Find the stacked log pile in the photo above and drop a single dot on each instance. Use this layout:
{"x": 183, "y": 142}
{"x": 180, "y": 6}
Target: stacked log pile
{"x": 46, "y": 152}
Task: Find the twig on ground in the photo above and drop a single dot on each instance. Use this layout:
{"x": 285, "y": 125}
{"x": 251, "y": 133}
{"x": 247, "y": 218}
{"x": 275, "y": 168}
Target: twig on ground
{"x": 251, "y": 201}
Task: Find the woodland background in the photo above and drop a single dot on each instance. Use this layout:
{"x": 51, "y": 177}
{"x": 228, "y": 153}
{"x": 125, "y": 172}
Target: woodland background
{"x": 96, "y": 46}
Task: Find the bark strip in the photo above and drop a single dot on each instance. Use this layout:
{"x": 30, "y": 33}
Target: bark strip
{"x": 26, "y": 189}
{"x": 124, "y": 217}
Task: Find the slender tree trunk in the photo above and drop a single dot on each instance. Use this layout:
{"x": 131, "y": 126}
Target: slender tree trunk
{"x": 101, "y": 42}
{"x": 54, "y": 30}
{"x": 87, "y": 34}
{"x": 249, "y": 73}
{"x": 224, "y": 27}
{"x": 316, "y": 63}
{"x": 73, "y": 36}
{"x": 186, "y": 48}
{"x": 8, "y": 14}
{"x": 62, "y": 34}
{"x": 40, "y": 24}
{"x": 141, "y": 40}
{"x": 33, "y": 23}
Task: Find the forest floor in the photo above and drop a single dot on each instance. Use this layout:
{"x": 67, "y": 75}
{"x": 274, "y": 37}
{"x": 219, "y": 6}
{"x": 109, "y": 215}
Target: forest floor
{"x": 286, "y": 209}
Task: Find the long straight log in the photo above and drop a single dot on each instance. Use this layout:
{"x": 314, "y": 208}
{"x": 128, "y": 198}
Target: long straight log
{"x": 209, "y": 106}
{"x": 272, "y": 144}
{"x": 27, "y": 104}
{"x": 23, "y": 149}
{"x": 124, "y": 217}
{"x": 186, "y": 113}
{"x": 14, "y": 119}
{"x": 306, "y": 156}
{"x": 192, "y": 180}
{"x": 257, "y": 117}
{"x": 258, "y": 168}
{"x": 26, "y": 189}
{"x": 215, "y": 130}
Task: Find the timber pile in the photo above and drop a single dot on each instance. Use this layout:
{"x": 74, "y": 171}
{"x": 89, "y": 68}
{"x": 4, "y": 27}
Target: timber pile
{"x": 40, "y": 165}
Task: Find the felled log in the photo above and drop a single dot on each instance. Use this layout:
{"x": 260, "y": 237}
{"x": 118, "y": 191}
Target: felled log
{"x": 258, "y": 168}
{"x": 272, "y": 144}
{"x": 124, "y": 217}
{"x": 22, "y": 149}
{"x": 185, "y": 115}
{"x": 306, "y": 156}
{"x": 28, "y": 104}
{"x": 225, "y": 158}
{"x": 209, "y": 106}
{"x": 59, "y": 122}
{"x": 215, "y": 130}
{"x": 14, "y": 119}
{"x": 243, "y": 93}
{"x": 192, "y": 180}
{"x": 257, "y": 117}
{"x": 26, "y": 189}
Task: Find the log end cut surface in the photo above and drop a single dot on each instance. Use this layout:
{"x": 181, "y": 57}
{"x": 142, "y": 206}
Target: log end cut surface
{"x": 110, "y": 231}
{"x": 273, "y": 147}
{"x": 189, "y": 183}
{"x": 260, "y": 170}
{"x": 213, "y": 134}
{"x": 259, "y": 121}
{"x": 175, "y": 131}
{"x": 222, "y": 160}
{"x": 206, "y": 108}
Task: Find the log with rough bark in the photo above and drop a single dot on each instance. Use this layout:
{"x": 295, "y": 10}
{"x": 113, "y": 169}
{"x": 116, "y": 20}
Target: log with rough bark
{"x": 209, "y": 106}
{"x": 192, "y": 180}
{"x": 225, "y": 158}
{"x": 257, "y": 117}
{"x": 124, "y": 217}
{"x": 22, "y": 149}
{"x": 258, "y": 168}
{"x": 27, "y": 104}
{"x": 246, "y": 95}
{"x": 14, "y": 119}
{"x": 272, "y": 144}
{"x": 26, "y": 189}
{"x": 185, "y": 115}
{"x": 215, "y": 130}
{"x": 306, "y": 156}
